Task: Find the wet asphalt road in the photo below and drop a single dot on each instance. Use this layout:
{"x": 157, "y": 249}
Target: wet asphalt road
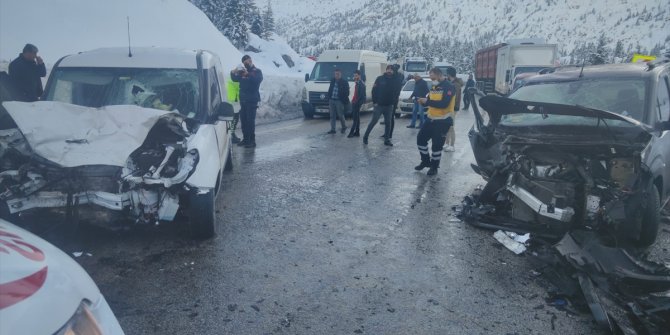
{"x": 319, "y": 234}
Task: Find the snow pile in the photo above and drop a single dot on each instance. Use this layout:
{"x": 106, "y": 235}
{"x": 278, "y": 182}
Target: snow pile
{"x": 62, "y": 27}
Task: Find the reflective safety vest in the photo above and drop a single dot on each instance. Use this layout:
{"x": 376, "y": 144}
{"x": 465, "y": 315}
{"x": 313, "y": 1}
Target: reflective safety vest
{"x": 233, "y": 90}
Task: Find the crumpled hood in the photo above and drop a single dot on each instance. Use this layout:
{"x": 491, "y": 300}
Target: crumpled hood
{"x": 498, "y": 106}
{"x": 71, "y": 135}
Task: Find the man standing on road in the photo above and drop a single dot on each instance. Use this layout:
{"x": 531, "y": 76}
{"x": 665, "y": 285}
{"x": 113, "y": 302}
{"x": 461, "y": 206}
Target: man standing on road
{"x": 421, "y": 90}
{"x": 399, "y": 82}
{"x": 440, "y": 103}
{"x": 383, "y": 96}
{"x": 25, "y": 72}
{"x": 466, "y": 97}
{"x": 338, "y": 94}
{"x": 458, "y": 84}
{"x": 356, "y": 102}
{"x": 250, "y": 79}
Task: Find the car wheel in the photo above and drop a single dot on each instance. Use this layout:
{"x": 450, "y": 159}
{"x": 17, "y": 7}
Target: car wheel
{"x": 201, "y": 215}
{"x": 651, "y": 218}
{"x": 229, "y": 160}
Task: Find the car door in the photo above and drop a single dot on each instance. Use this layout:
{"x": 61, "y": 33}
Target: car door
{"x": 661, "y": 110}
{"x": 220, "y": 127}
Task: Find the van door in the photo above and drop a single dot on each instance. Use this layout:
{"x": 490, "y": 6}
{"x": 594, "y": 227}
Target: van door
{"x": 220, "y": 127}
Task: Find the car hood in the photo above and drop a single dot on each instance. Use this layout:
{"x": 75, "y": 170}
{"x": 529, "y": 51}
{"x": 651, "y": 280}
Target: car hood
{"x": 497, "y": 106}
{"x": 40, "y": 286}
{"x": 71, "y": 135}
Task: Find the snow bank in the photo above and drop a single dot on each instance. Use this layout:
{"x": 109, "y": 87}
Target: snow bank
{"x": 63, "y": 27}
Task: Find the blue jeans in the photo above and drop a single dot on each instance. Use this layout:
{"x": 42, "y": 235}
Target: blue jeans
{"x": 418, "y": 109}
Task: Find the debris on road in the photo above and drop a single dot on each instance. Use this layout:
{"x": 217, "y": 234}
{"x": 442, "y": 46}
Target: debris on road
{"x": 509, "y": 242}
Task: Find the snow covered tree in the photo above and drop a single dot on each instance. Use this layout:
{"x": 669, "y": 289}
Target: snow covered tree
{"x": 268, "y": 22}
{"x": 618, "y": 54}
{"x": 234, "y": 24}
{"x": 256, "y": 22}
{"x": 601, "y": 53}
{"x": 214, "y": 10}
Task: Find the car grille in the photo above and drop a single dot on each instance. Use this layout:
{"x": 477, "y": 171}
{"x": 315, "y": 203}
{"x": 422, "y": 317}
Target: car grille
{"x": 316, "y": 99}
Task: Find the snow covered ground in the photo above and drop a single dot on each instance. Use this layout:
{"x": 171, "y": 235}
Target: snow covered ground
{"x": 62, "y": 27}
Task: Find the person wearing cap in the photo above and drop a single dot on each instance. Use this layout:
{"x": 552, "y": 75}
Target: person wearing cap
{"x": 250, "y": 82}
{"x": 25, "y": 73}
{"x": 440, "y": 103}
{"x": 384, "y": 94}
{"x": 233, "y": 92}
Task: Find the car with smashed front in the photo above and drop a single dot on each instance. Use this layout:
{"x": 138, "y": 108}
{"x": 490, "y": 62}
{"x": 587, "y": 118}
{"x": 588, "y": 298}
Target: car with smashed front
{"x": 576, "y": 148}
{"x": 140, "y": 135}
{"x": 43, "y": 291}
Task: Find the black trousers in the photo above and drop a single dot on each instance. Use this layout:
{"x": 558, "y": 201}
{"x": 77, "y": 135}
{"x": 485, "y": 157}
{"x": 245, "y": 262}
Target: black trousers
{"x": 248, "y": 120}
{"x": 436, "y": 132}
{"x": 356, "y": 117}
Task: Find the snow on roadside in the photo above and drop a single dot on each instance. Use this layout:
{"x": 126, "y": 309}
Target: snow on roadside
{"x": 163, "y": 23}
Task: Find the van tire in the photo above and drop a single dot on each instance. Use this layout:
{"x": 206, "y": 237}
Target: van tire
{"x": 202, "y": 215}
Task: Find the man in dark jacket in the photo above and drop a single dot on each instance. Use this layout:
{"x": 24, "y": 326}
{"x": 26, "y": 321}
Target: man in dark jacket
{"x": 338, "y": 97}
{"x": 25, "y": 72}
{"x": 384, "y": 95}
{"x": 356, "y": 102}
{"x": 421, "y": 90}
{"x": 250, "y": 79}
{"x": 400, "y": 81}
{"x": 466, "y": 97}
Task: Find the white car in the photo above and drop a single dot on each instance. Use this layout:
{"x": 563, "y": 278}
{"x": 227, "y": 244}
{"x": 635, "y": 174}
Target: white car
{"x": 43, "y": 291}
{"x": 142, "y": 136}
{"x": 404, "y": 103}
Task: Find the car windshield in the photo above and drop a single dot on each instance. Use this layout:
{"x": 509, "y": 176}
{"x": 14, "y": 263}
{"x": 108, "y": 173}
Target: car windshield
{"x": 165, "y": 89}
{"x": 415, "y": 67}
{"x": 622, "y": 96}
{"x": 409, "y": 85}
{"x": 323, "y": 71}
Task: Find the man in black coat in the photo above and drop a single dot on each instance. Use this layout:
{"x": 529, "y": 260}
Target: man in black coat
{"x": 338, "y": 96}
{"x": 250, "y": 79}
{"x": 356, "y": 102}
{"x": 384, "y": 95}
{"x": 25, "y": 72}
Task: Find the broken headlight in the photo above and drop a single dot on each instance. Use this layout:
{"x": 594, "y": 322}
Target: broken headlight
{"x": 623, "y": 171}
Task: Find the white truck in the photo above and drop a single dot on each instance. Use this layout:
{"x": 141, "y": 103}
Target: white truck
{"x": 498, "y": 65}
{"x": 314, "y": 95}
{"x": 415, "y": 65}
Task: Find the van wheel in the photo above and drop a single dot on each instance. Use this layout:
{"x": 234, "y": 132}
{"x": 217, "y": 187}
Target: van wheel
{"x": 229, "y": 159}
{"x": 201, "y": 215}
{"x": 308, "y": 114}
{"x": 651, "y": 217}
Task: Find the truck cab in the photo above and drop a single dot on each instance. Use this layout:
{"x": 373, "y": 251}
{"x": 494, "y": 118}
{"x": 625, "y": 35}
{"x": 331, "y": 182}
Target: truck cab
{"x": 314, "y": 95}
{"x": 415, "y": 65}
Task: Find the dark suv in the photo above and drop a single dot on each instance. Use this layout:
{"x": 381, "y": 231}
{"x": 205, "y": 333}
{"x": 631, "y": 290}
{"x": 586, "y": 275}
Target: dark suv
{"x": 578, "y": 147}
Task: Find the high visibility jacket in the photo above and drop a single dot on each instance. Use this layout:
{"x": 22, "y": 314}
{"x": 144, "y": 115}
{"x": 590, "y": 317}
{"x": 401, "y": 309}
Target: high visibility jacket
{"x": 441, "y": 101}
{"x": 233, "y": 90}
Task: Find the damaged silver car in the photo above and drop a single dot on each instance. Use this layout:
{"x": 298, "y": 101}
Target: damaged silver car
{"x": 142, "y": 136}
{"x": 578, "y": 148}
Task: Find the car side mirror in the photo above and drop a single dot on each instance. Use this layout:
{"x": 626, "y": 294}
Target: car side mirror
{"x": 225, "y": 112}
{"x": 306, "y": 77}
{"x": 663, "y": 126}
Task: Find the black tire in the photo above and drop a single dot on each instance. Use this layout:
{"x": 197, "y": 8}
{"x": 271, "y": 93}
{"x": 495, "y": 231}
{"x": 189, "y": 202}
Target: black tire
{"x": 201, "y": 215}
{"x": 651, "y": 217}
{"x": 308, "y": 114}
{"x": 229, "y": 160}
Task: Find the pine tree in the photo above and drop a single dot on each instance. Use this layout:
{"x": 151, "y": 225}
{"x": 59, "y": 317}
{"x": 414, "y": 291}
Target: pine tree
{"x": 214, "y": 10}
{"x": 618, "y": 54}
{"x": 601, "y": 52}
{"x": 256, "y": 22}
{"x": 235, "y": 27}
{"x": 268, "y": 22}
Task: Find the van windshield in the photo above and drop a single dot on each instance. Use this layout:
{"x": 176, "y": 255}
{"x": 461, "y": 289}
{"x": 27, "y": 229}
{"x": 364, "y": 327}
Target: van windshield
{"x": 165, "y": 89}
{"x": 415, "y": 67}
{"x": 323, "y": 71}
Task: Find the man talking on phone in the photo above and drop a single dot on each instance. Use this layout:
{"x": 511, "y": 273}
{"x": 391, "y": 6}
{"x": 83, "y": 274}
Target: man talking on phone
{"x": 25, "y": 72}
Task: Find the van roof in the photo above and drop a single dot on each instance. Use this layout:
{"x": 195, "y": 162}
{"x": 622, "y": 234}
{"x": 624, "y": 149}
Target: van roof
{"x": 346, "y": 54}
{"x": 142, "y": 57}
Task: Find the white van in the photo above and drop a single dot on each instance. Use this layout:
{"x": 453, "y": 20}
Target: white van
{"x": 314, "y": 96}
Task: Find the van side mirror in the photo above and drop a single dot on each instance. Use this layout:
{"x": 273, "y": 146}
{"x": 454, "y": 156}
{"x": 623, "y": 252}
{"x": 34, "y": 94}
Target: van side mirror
{"x": 225, "y": 112}
{"x": 306, "y": 77}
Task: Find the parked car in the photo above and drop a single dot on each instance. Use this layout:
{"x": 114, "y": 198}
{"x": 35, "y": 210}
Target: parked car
{"x": 405, "y": 104}
{"x": 577, "y": 148}
{"x": 142, "y": 136}
{"x": 43, "y": 291}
